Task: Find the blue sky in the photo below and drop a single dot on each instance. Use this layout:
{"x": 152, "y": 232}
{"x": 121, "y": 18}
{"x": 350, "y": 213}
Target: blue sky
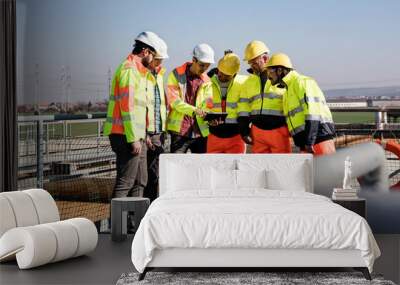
{"x": 342, "y": 44}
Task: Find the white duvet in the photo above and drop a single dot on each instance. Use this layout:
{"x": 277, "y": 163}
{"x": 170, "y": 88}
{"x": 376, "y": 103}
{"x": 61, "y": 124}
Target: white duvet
{"x": 250, "y": 219}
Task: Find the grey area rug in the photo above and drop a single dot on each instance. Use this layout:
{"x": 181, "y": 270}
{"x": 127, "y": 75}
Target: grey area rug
{"x": 243, "y": 278}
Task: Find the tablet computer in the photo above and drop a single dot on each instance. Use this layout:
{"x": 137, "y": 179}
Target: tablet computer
{"x": 215, "y": 116}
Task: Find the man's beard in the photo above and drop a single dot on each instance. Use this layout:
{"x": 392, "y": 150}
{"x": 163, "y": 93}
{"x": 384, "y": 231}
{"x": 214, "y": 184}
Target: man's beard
{"x": 146, "y": 62}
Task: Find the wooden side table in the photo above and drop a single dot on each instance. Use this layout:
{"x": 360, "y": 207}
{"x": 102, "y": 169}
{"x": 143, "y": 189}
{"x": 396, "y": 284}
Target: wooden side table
{"x": 357, "y": 205}
{"x": 119, "y": 214}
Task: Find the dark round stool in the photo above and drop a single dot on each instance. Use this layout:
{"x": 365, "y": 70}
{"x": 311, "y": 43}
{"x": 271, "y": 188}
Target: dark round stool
{"x": 120, "y": 207}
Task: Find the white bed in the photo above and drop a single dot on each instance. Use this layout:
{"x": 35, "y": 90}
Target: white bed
{"x": 247, "y": 211}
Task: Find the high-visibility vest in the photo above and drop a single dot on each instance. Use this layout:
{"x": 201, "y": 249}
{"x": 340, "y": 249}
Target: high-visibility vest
{"x": 126, "y": 111}
{"x": 303, "y": 101}
{"x": 176, "y": 91}
{"x": 254, "y": 101}
{"x": 232, "y": 97}
{"x": 153, "y": 80}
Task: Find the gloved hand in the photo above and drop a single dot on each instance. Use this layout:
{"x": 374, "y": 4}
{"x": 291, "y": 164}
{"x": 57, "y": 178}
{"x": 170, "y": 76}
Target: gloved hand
{"x": 309, "y": 148}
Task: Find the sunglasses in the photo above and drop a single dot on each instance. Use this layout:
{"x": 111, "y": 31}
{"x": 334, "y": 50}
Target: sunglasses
{"x": 150, "y": 51}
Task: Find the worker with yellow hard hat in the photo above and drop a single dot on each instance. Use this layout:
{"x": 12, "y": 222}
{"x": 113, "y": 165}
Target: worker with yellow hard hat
{"x": 260, "y": 110}
{"x": 307, "y": 115}
{"x": 224, "y": 134}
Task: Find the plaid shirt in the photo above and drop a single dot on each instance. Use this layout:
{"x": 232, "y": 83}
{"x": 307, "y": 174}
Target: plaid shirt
{"x": 157, "y": 104}
{"x": 189, "y": 125}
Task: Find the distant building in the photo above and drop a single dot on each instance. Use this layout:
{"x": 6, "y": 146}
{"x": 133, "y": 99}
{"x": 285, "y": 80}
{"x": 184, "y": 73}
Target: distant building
{"x": 380, "y": 101}
{"x": 346, "y": 104}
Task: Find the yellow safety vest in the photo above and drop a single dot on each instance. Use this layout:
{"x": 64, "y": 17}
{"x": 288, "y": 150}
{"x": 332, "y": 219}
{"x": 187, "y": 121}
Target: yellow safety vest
{"x": 176, "y": 91}
{"x": 232, "y": 97}
{"x": 303, "y": 101}
{"x": 254, "y": 101}
{"x": 126, "y": 110}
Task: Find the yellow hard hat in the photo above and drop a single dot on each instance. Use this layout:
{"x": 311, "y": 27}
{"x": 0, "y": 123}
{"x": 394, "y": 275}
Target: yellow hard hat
{"x": 229, "y": 64}
{"x": 280, "y": 59}
{"x": 254, "y": 49}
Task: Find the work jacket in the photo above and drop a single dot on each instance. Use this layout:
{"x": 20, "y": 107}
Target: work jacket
{"x": 176, "y": 91}
{"x": 308, "y": 117}
{"x": 229, "y": 104}
{"x": 126, "y": 110}
{"x": 260, "y": 106}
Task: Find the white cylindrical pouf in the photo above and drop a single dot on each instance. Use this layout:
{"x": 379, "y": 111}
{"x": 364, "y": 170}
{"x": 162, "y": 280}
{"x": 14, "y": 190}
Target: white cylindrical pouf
{"x": 7, "y": 217}
{"x": 23, "y": 207}
{"x": 67, "y": 239}
{"x": 87, "y": 234}
{"x": 34, "y": 246}
{"x": 45, "y": 205}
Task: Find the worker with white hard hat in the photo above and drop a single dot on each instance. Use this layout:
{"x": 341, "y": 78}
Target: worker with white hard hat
{"x": 126, "y": 122}
{"x": 156, "y": 118}
{"x": 189, "y": 96}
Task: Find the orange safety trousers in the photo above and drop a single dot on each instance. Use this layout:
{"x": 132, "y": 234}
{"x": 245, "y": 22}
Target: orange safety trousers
{"x": 234, "y": 144}
{"x": 271, "y": 141}
{"x": 325, "y": 147}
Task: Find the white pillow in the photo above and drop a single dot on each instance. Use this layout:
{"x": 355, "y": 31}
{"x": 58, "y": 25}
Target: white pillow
{"x": 282, "y": 173}
{"x": 188, "y": 177}
{"x": 228, "y": 179}
{"x": 251, "y": 178}
{"x": 223, "y": 179}
{"x": 295, "y": 180}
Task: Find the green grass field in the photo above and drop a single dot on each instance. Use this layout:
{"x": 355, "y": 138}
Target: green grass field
{"x": 56, "y": 130}
{"x": 77, "y": 129}
{"x": 74, "y": 129}
{"x": 355, "y": 118}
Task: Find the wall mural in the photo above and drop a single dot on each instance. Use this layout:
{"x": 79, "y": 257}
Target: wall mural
{"x": 67, "y": 53}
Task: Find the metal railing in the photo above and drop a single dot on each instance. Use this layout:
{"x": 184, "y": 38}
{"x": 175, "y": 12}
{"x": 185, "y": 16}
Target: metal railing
{"x": 56, "y": 148}
{"x": 66, "y": 152}
{"x": 376, "y": 124}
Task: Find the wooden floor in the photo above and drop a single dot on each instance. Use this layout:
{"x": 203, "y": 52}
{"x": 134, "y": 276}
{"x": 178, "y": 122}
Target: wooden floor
{"x": 110, "y": 259}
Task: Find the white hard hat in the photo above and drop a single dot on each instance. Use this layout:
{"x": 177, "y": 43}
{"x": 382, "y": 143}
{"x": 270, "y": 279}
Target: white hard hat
{"x": 204, "y": 53}
{"x": 148, "y": 38}
{"x": 161, "y": 50}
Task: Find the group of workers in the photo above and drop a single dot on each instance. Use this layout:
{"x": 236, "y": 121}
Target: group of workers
{"x": 264, "y": 109}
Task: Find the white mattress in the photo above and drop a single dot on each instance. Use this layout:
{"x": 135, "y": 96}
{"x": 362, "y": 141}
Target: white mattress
{"x": 252, "y": 218}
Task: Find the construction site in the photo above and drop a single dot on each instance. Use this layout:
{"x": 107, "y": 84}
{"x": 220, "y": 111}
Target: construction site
{"x": 68, "y": 156}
